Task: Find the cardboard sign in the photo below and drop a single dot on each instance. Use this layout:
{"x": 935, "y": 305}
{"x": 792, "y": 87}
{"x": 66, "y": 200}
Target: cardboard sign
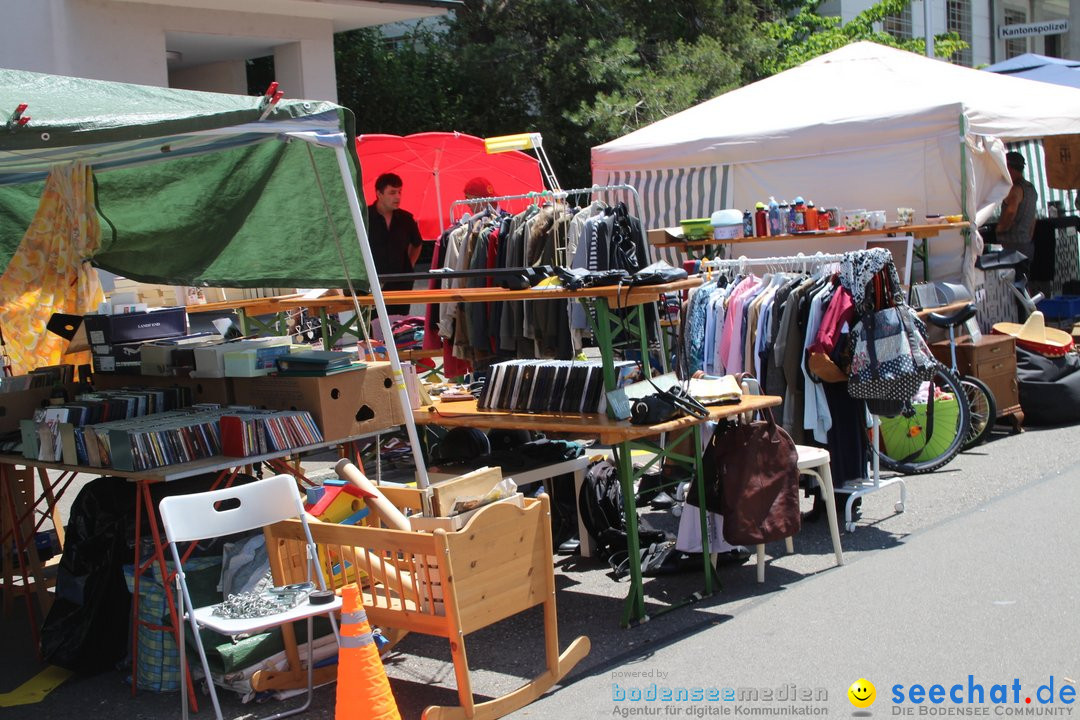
{"x": 1062, "y": 161}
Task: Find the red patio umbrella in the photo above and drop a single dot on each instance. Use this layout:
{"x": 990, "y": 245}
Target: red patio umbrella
{"x": 435, "y": 166}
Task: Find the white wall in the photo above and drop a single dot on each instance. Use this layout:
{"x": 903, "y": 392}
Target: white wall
{"x": 125, "y": 41}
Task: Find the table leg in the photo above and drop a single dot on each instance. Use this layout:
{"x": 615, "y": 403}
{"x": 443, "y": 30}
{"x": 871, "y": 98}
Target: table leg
{"x": 144, "y": 502}
{"x": 51, "y": 499}
{"x": 143, "y": 492}
{"x": 634, "y": 609}
{"x": 921, "y": 250}
{"x": 16, "y": 488}
{"x": 699, "y": 480}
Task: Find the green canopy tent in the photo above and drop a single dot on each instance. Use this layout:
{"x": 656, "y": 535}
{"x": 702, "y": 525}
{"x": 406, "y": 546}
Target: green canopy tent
{"x": 197, "y": 188}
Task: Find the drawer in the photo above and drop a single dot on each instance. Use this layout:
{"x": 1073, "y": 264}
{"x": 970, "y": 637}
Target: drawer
{"x": 1005, "y": 390}
{"x": 989, "y": 347}
{"x": 994, "y": 366}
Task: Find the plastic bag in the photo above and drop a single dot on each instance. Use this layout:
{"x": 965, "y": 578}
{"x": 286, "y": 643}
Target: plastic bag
{"x": 504, "y": 489}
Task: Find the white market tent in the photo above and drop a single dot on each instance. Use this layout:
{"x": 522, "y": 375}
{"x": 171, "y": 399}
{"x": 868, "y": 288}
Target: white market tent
{"x": 865, "y": 126}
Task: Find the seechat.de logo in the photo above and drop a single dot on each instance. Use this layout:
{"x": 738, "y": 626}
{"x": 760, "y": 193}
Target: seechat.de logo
{"x": 862, "y": 693}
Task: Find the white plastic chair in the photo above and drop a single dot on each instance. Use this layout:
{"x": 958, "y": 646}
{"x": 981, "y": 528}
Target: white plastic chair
{"x": 217, "y": 513}
{"x": 814, "y": 462}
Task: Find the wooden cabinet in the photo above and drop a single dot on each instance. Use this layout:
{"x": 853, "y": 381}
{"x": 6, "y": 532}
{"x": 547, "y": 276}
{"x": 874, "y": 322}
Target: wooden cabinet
{"x": 993, "y": 360}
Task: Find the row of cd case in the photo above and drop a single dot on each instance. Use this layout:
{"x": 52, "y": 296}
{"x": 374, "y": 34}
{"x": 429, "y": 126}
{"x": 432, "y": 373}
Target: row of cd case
{"x": 567, "y": 386}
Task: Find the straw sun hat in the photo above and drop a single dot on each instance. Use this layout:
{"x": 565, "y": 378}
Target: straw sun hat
{"x": 1034, "y": 335}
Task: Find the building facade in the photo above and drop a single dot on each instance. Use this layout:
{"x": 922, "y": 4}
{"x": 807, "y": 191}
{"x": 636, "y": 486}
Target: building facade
{"x": 982, "y": 24}
{"x": 193, "y": 44}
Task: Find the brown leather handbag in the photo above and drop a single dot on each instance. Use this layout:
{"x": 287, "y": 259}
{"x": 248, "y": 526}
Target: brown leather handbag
{"x": 752, "y": 479}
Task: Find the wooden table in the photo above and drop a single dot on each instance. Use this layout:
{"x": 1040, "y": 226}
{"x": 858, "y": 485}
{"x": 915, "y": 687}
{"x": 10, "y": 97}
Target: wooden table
{"x": 672, "y": 237}
{"x": 624, "y": 437}
{"x": 608, "y": 297}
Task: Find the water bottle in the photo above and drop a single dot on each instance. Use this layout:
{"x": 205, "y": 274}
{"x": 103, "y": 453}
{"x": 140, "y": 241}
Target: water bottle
{"x": 798, "y": 215}
{"x": 761, "y": 221}
{"x": 785, "y": 218}
{"x": 774, "y": 216}
{"x": 747, "y": 224}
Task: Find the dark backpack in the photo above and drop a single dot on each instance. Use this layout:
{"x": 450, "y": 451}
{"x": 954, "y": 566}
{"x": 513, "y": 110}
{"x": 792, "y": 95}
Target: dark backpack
{"x": 601, "y": 507}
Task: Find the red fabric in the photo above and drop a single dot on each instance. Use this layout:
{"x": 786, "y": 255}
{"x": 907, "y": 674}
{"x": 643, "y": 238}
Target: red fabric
{"x": 435, "y": 167}
{"x": 840, "y": 311}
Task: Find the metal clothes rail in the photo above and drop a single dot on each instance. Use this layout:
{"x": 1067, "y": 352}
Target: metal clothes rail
{"x": 874, "y": 482}
{"x": 563, "y": 195}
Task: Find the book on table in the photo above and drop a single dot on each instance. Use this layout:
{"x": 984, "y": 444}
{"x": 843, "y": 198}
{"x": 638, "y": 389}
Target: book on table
{"x": 315, "y": 360}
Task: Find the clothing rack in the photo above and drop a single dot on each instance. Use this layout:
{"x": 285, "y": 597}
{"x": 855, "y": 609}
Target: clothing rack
{"x": 875, "y": 482}
{"x": 563, "y": 195}
{"x": 784, "y": 261}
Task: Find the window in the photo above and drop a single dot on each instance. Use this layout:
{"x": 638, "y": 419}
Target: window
{"x": 1015, "y": 46}
{"x": 899, "y": 25}
{"x": 958, "y": 18}
{"x": 1052, "y": 46}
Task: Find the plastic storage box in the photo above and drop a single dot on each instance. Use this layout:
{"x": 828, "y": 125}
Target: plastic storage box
{"x": 1061, "y": 306}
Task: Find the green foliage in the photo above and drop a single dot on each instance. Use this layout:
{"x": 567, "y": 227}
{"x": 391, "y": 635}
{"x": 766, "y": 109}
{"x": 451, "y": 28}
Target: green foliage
{"x": 804, "y": 35}
{"x": 582, "y": 72}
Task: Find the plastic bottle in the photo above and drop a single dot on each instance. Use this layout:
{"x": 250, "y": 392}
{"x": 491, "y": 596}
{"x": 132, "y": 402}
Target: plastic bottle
{"x": 761, "y": 221}
{"x": 798, "y": 215}
{"x": 810, "y": 218}
{"x": 824, "y": 219}
{"x": 774, "y": 216}
{"x": 785, "y": 218}
{"x": 747, "y": 224}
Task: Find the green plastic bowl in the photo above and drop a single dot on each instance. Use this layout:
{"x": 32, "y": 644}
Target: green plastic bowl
{"x": 697, "y": 228}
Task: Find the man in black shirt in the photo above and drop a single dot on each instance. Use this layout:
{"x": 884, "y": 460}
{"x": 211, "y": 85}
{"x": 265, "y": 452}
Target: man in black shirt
{"x": 393, "y": 235}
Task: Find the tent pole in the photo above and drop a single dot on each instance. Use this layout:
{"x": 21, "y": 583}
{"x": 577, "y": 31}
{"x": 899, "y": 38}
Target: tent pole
{"x": 380, "y": 310}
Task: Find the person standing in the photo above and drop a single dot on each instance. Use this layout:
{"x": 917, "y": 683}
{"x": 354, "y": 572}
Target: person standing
{"x": 393, "y": 235}
{"x": 1016, "y": 226}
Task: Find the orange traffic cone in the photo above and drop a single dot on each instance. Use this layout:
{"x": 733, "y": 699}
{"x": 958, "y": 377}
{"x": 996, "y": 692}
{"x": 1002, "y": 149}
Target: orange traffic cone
{"x": 363, "y": 691}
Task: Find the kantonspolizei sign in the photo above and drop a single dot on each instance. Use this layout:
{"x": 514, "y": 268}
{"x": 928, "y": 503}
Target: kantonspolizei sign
{"x": 1047, "y": 27}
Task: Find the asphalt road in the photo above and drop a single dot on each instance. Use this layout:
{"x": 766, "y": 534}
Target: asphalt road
{"x": 978, "y": 577}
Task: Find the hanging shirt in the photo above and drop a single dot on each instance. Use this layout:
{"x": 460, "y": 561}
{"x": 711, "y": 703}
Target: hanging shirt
{"x": 731, "y": 338}
{"x": 816, "y": 416}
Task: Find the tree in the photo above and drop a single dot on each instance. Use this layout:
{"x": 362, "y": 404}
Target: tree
{"x": 582, "y": 72}
{"x": 804, "y": 34}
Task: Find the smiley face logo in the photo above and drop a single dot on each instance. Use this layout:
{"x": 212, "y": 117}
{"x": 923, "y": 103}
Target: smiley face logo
{"x": 862, "y": 693}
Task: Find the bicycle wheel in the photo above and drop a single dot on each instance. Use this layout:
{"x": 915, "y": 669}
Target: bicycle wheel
{"x": 910, "y": 443}
{"x": 983, "y": 410}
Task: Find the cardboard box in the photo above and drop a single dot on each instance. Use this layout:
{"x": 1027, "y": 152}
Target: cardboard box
{"x": 210, "y": 359}
{"x": 122, "y": 359}
{"x": 343, "y": 405}
{"x": 129, "y": 327}
{"x": 657, "y": 236}
{"x": 20, "y": 405}
{"x": 203, "y": 390}
{"x": 160, "y": 356}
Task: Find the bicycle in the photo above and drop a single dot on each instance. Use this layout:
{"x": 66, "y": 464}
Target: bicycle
{"x": 981, "y": 403}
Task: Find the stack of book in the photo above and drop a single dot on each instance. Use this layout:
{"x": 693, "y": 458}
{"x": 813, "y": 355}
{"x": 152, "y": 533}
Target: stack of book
{"x": 42, "y": 377}
{"x": 316, "y": 363}
{"x": 257, "y": 433}
{"x": 170, "y": 438}
{"x": 56, "y": 433}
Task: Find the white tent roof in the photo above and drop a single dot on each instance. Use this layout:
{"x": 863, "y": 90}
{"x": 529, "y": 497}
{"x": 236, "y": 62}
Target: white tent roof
{"x": 877, "y": 95}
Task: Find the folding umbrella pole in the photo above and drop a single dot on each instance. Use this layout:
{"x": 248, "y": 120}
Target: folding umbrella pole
{"x": 438, "y": 197}
{"x": 380, "y": 310}
{"x": 438, "y": 186}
